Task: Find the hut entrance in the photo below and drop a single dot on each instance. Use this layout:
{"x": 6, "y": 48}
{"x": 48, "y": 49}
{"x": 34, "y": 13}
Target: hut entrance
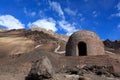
{"x": 82, "y": 49}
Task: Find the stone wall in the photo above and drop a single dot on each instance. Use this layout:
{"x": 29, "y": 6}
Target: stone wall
{"x": 92, "y": 41}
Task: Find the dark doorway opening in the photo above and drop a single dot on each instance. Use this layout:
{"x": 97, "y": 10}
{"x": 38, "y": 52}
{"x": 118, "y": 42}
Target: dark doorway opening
{"x": 82, "y": 49}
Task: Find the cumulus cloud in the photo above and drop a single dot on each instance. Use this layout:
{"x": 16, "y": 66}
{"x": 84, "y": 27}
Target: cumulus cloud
{"x": 10, "y": 22}
{"x": 48, "y": 24}
{"x": 70, "y": 12}
{"x": 29, "y": 13}
{"x": 57, "y": 7}
{"x": 69, "y": 28}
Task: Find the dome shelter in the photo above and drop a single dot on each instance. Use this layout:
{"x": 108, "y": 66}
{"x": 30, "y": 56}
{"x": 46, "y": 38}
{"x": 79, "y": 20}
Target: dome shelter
{"x": 84, "y": 43}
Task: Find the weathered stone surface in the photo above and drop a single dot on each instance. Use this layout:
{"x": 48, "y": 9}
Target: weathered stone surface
{"x": 41, "y": 70}
{"x": 82, "y": 41}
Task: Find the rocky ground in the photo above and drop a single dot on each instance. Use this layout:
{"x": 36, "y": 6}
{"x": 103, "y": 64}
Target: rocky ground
{"x": 30, "y": 55}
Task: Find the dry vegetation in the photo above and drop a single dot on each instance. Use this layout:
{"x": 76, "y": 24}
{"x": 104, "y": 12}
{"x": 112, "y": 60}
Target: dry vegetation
{"x": 15, "y": 45}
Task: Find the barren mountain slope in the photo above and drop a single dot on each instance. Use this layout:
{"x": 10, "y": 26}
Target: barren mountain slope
{"x": 20, "y": 49}
{"x": 17, "y": 51}
{"x": 15, "y": 45}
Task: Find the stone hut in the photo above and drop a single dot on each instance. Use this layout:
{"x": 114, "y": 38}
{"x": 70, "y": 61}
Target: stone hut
{"x": 84, "y": 43}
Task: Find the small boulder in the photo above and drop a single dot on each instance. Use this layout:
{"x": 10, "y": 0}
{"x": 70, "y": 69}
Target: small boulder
{"x": 41, "y": 69}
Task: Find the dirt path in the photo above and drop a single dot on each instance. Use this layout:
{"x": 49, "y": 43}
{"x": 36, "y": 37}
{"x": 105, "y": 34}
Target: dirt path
{"x": 57, "y": 50}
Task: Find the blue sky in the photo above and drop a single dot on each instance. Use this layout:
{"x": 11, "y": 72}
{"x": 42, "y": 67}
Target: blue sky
{"x": 63, "y": 16}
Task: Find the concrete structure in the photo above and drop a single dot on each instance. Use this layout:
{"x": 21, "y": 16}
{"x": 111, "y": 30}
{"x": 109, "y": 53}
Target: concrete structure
{"x": 83, "y": 43}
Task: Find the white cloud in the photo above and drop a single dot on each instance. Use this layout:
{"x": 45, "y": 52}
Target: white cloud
{"x": 94, "y": 14}
{"x": 69, "y": 28}
{"x": 29, "y": 13}
{"x": 70, "y": 12}
{"x": 48, "y": 24}
{"x": 10, "y": 22}
{"x": 57, "y": 7}
{"x": 117, "y": 14}
{"x": 118, "y": 8}
{"x": 80, "y": 15}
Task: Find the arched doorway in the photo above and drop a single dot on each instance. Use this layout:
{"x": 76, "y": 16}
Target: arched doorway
{"x": 82, "y": 49}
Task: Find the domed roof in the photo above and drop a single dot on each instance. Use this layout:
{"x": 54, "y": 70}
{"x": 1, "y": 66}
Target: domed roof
{"x": 84, "y": 43}
{"x": 85, "y": 34}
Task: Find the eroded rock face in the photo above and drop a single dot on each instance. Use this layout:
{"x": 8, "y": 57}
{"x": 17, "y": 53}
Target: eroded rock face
{"x": 41, "y": 69}
{"x": 112, "y": 44}
{"x": 84, "y": 43}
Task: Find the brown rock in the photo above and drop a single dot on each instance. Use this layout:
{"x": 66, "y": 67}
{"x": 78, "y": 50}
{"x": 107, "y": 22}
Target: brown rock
{"x": 41, "y": 69}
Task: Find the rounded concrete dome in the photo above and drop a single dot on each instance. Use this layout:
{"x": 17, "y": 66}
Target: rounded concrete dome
{"x": 83, "y": 43}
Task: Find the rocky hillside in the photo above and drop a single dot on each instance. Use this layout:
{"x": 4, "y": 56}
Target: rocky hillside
{"x": 112, "y": 44}
{"x": 34, "y": 55}
{"x": 112, "y": 47}
{"x": 2, "y": 30}
{"x": 50, "y": 32}
{"x": 39, "y": 36}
